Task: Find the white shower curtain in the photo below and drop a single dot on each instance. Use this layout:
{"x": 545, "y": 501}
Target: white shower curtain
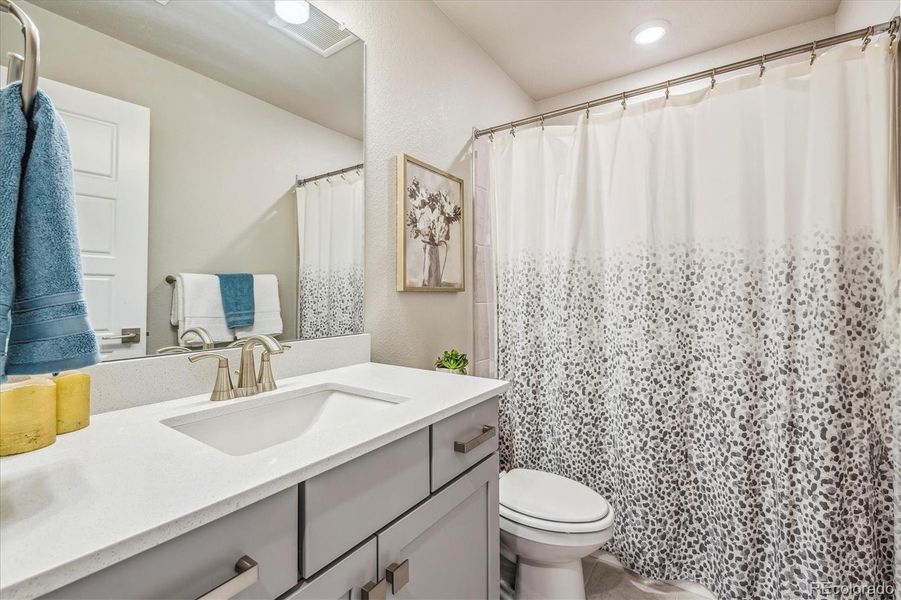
{"x": 330, "y": 277}
{"x": 697, "y": 310}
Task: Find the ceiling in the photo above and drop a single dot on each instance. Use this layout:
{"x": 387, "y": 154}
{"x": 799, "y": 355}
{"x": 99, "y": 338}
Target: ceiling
{"x": 232, "y": 43}
{"x": 549, "y": 48}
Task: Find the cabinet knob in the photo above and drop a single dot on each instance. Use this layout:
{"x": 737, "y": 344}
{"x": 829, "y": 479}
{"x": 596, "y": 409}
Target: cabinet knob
{"x": 247, "y": 573}
{"x": 374, "y": 590}
{"x": 398, "y": 575}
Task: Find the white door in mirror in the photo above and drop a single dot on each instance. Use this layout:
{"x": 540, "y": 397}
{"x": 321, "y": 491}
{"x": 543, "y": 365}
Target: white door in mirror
{"x": 110, "y": 142}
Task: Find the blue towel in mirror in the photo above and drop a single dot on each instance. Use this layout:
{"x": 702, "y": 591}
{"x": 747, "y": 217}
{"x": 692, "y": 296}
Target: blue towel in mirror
{"x": 237, "y": 299}
{"x": 44, "y": 324}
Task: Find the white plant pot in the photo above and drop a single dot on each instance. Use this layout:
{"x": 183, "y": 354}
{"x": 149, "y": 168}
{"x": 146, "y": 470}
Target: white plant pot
{"x": 444, "y": 370}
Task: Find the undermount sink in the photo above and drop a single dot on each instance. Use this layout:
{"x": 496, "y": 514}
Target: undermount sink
{"x": 258, "y": 423}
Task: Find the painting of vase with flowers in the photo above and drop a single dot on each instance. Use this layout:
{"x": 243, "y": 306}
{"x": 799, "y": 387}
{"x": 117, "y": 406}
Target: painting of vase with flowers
{"x": 430, "y": 229}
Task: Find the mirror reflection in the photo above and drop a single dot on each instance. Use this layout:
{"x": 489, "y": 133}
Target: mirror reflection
{"x": 218, "y": 150}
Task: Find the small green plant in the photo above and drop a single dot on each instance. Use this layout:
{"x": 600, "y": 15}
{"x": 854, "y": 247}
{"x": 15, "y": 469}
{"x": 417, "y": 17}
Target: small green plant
{"x": 452, "y": 360}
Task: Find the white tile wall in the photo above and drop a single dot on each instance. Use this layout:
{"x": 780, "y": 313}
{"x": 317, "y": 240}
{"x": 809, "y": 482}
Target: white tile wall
{"x": 484, "y": 292}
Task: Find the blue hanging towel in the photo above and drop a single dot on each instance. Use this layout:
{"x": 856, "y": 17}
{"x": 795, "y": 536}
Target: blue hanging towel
{"x": 44, "y": 324}
{"x": 237, "y": 299}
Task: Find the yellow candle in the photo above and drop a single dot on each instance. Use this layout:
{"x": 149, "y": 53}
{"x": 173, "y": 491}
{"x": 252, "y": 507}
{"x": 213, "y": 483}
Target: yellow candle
{"x": 73, "y": 402}
{"x": 27, "y": 415}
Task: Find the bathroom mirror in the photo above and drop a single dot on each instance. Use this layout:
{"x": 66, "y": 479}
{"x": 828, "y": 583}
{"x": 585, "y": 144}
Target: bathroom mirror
{"x": 191, "y": 124}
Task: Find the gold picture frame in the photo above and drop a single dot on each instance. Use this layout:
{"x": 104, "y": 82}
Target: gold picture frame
{"x": 430, "y": 217}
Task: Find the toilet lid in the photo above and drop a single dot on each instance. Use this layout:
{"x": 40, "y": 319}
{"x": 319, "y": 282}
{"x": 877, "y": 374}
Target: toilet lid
{"x": 551, "y": 497}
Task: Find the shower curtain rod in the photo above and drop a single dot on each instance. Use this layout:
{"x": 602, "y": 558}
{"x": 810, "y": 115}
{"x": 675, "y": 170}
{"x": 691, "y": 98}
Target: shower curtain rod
{"x": 301, "y": 182}
{"x": 892, "y": 27}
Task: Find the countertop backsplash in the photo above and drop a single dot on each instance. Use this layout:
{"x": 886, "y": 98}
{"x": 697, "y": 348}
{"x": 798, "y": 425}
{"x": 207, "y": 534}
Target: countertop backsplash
{"x": 128, "y": 383}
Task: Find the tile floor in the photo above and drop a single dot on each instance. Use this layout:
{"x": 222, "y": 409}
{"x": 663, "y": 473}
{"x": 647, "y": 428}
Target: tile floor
{"x": 606, "y": 579}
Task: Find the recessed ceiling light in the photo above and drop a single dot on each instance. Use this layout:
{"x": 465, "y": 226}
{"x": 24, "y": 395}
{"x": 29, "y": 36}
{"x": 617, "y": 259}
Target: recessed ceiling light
{"x": 650, "y": 32}
{"x": 293, "y": 11}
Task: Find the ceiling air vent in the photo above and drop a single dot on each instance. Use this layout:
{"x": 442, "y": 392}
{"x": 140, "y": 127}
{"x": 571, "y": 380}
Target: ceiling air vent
{"x": 320, "y": 33}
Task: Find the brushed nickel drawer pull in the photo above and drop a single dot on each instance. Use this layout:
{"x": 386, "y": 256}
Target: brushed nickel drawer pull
{"x": 374, "y": 590}
{"x": 398, "y": 575}
{"x": 488, "y": 432}
{"x": 248, "y": 573}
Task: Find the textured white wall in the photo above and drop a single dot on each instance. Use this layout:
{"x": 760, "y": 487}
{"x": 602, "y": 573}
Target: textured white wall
{"x": 857, "y": 14}
{"x": 768, "y": 42}
{"x": 427, "y": 85}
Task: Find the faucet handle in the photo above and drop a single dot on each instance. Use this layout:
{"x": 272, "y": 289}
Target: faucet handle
{"x": 266, "y": 380}
{"x": 223, "y": 388}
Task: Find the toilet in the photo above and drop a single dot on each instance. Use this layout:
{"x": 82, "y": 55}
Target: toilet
{"x": 550, "y": 523}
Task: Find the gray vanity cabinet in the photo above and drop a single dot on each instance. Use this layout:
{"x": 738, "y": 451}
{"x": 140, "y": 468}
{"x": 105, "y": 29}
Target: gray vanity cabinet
{"x": 414, "y": 519}
{"x": 343, "y": 580}
{"x": 448, "y": 547}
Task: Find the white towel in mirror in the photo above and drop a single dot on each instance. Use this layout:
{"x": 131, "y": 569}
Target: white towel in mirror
{"x": 197, "y": 302}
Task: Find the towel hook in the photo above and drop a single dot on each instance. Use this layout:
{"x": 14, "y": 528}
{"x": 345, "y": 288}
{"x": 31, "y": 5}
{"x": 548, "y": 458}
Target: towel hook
{"x": 762, "y": 65}
{"x": 813, "y": 53}
{"x": 866, "y": 39}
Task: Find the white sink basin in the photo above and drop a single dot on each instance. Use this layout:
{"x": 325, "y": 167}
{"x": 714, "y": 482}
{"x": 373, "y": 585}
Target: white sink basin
{"x": 257, "y": 423}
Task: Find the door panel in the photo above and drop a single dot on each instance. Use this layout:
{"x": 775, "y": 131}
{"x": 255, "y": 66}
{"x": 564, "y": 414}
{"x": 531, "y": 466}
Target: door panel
{"x": 110, "y": 142}
{"x": 451, "y": 542}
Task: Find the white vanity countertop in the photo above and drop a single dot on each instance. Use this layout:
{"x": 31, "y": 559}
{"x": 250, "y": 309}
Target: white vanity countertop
{"x": 127, "y": 482}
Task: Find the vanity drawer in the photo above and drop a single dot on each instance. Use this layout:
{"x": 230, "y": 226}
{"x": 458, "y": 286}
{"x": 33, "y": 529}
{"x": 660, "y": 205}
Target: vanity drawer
{"x": 345, "y": 579}
{"x": 343, "y": 506}
{"x": 196, "y": 562}
{"x": 461, "y": 441}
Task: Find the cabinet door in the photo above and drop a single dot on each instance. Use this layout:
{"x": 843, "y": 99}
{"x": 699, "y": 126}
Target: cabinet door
{"x": 449, "y": 546}
{"x": 343, "y": 580}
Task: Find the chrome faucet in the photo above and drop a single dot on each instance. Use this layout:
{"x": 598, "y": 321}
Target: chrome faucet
{"x": 248, "y": 385}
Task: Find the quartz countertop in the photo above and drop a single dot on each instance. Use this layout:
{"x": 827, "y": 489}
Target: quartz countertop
{"x": 128, "y": 482}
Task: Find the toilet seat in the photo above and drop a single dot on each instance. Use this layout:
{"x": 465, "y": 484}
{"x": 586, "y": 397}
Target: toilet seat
{"x": 552, "y": 503}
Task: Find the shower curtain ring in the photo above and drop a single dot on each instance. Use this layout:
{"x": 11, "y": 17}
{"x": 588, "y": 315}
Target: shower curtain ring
{"x": 623, "y": 101}
{"x": 491, "y": 135}
{"x": 666, "y": 95}
{"x": 762, "y": 65}
{"x": 866, "y": 39}
{"x": 587, "y": 109}
{"x": 892, "y": 33}
{"x": 542, "y": 122}
{"x": 813, "y": 53}
{"x": 712, "y": 78}
{"x": 512, "y": 129}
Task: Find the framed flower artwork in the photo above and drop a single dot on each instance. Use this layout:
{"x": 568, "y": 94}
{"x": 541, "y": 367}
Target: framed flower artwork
{"x": 430, "y": 228}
